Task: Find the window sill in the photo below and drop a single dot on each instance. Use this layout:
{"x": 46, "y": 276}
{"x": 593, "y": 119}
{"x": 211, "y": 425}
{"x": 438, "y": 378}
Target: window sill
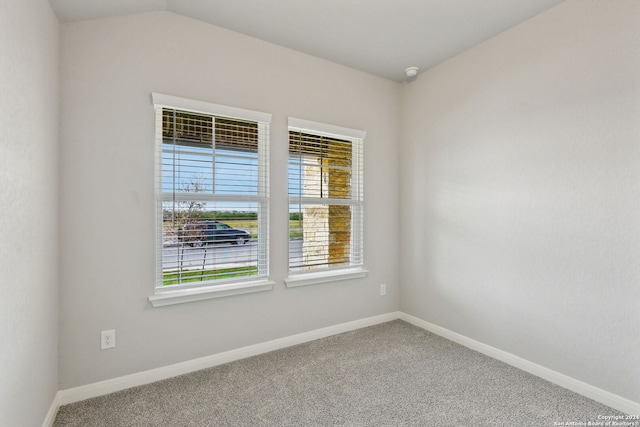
{"x": 304, "y": 279}
{"x": 217, "y": 291}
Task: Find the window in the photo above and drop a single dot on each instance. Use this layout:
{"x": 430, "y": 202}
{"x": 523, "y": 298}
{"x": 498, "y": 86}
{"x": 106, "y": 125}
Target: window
{"x": 325, "y": 203}
{"x": 212, "y": 200}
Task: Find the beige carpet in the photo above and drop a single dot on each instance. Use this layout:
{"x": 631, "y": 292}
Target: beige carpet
{"x": 393, "y": 374}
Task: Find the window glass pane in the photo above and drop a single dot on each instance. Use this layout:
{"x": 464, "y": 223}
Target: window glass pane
{"x": 213, "y": 199}
{"x": 325, "y": 214}
{"x": 192, "y": 160}
{"x": 319, "y": 166}
{"x": 319, "y": 236}
{"x": 208, "y": 241}
{"x": 236, "y": 172}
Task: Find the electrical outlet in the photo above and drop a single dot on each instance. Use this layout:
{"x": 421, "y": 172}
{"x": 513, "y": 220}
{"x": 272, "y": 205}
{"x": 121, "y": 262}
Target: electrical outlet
{"x": 383, "y": 289}
{"x": 107, "y": 339}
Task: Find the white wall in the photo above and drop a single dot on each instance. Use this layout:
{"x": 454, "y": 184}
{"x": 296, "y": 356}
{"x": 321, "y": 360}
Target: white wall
{"x": 521, "y": 193}
{"x": 109, "y": 69}
{"x": 29, "y": 35}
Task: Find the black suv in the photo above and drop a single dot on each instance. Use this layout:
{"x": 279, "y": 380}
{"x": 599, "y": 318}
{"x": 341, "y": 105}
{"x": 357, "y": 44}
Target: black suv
{"x": 210, "y": 231}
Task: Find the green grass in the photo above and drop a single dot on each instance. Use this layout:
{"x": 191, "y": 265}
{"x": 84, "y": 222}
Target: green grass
{"x": 295, "y": 228}
{"x": 172, "y": 277}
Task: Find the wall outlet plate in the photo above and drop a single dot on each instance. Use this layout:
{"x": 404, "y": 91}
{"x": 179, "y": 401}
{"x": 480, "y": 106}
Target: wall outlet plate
{"x": 108, "y": 339}
{"x": 383, "y": 289}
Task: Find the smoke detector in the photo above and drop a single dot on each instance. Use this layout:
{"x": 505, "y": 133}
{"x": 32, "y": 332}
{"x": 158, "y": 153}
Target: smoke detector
{"x": 411, "y": 71}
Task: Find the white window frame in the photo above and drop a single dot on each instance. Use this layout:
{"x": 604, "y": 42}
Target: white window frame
{"x": 163, "y": 296}
{"x": 354, "y": 271}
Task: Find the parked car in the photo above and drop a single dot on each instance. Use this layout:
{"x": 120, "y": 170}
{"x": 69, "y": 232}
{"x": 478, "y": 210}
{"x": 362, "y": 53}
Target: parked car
{"x": 211, "y": 231}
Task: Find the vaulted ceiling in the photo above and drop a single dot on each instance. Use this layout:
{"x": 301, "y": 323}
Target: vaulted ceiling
{"x": 381, "y": 37}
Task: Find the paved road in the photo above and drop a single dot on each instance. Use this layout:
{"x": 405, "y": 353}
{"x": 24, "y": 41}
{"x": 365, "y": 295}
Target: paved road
{"x": 220, "y": 255}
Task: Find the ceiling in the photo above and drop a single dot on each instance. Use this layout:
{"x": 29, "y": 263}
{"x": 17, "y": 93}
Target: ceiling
{"x": 381, "y": 37}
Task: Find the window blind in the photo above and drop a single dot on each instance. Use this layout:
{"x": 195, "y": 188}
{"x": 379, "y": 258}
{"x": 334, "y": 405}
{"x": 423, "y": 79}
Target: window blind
{"x": 212, "y": 192}
{"x": 325, "y": 201}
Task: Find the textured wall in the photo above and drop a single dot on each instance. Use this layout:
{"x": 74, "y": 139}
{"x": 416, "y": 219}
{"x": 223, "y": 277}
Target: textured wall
{"x": 29, "y": 35}
{"x": 521, "y": 193}
{"x": 109, "y": 69}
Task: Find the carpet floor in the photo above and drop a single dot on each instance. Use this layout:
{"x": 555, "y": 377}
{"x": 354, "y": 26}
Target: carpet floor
{"x": 393, "y": 374}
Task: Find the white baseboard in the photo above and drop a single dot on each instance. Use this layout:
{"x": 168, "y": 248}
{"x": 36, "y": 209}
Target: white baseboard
{"x": 121, "y": 383}
{"x": 76, "y": 394}
{"x": 612, "y": 400}
{"x": 53, "y": 411}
